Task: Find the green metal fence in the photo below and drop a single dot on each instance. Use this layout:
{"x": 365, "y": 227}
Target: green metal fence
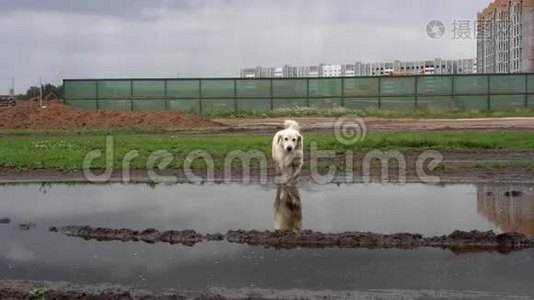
{"x": 223, "y": 95}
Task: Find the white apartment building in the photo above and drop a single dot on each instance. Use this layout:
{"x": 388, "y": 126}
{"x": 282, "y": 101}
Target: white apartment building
{"x": 278, "y": 72}
{"x": 348, "y": 70}
{"x": 313, "y": 72}
{"x": 423, "y": 67}
{"x": 330, "y": 70}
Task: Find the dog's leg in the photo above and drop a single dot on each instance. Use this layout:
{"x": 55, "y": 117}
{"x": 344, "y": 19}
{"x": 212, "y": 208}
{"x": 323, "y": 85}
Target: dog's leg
{"x": 295, "y": 197}
{"x": 298, "y": 168}
{"x": 281, "y": 173}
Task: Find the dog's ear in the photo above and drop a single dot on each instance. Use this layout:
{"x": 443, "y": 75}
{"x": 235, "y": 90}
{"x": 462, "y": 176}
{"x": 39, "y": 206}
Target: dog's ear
{"x": 279, "y": 140}
{"x": 299, "y": 141}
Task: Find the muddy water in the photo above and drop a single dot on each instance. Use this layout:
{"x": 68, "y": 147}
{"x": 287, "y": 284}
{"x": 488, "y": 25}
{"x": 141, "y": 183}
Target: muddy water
{"x": 37, "y": 254}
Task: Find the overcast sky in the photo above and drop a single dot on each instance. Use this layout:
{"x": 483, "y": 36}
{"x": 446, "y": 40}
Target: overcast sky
{"x": 59, "y": 39}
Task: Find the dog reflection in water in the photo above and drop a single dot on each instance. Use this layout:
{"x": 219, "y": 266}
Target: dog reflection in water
{"x": 287, "y": 208}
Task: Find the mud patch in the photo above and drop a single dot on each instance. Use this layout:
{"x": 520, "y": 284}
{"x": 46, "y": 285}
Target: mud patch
{"x": 311, "y": 239}
{"x": 457, "y": 241}
{"x": 14, "y": 289}
{"x": 27, "y": 226}
{"x": 150, "y": 235}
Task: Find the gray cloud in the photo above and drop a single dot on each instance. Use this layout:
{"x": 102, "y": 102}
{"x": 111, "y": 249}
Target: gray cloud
{"x": 118, "y": 8}
{"x": 79, "y": 39}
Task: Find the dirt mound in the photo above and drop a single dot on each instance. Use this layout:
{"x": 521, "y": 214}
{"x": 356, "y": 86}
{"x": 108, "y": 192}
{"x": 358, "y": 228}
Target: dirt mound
{"x": 58, "y": 116}
{"x": 458, "y": 241}
{"x": 150, "y": 235}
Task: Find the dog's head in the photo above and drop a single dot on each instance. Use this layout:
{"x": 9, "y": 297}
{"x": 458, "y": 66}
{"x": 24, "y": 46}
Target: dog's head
{"x": 290, "y": 140}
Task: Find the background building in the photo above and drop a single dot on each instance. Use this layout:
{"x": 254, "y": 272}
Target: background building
{"x": 423, "y": 67}
{"x": 504, "y": 37}
{"x": 510, "y": 207}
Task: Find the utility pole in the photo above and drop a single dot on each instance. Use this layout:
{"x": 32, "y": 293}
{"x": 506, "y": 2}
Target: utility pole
{"x": 12, "y": 89}
{"x": 40, "y": 91}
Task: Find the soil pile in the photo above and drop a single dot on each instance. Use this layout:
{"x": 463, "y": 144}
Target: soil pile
{"x": 58, "y": 116}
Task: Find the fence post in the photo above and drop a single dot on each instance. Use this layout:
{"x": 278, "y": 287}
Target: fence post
{"x": 416, "y": 81}
{"x": 452, "y": 104}
{"x": 131, "y": 95}
{"x": 489, "y": 90}
{"x": 97, "y": 96}
{"x": 200, "y": 96}
{"x": 342, "y": 92}
{"x": 235, "y": 95}
{"x": 526, "y": 90}
{"x": 165, "y": 95}
{"x": 379, "y": 92}
{"x": 307, "y": 92}
{"x": 271, "y": 80}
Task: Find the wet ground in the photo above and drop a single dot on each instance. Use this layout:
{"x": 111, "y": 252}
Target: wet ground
{"x": 238, "y": 269}
{"x": 481, "y": 165}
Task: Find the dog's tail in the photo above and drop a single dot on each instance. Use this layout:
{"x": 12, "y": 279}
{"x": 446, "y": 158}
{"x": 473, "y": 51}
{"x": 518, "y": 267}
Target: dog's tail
{"x": 291, "y": 124}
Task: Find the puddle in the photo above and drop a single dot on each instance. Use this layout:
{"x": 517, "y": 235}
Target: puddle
{"x": 425, "y": 209}
{"x": 37, "y": 254}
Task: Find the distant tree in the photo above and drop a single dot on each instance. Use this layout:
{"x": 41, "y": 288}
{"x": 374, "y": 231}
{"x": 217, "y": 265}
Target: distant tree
{"x": 48, "y": 88}
{"x": 60, "y": 91}
{"x": 33, "y": 91}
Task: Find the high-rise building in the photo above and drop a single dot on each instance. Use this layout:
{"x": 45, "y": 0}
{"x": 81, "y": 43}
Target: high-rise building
{"x": 509, "y": 206}
{"x": 423, "y": 67}
{"x": 505, "y": 37}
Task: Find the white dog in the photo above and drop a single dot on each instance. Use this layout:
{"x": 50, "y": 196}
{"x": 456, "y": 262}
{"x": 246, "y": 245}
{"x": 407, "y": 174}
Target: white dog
{"x": 287, "y": 153}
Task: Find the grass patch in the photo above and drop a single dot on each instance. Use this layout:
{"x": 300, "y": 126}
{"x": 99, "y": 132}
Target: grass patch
{"x": 36, "y": 294}
{"x": 67, "y": 152}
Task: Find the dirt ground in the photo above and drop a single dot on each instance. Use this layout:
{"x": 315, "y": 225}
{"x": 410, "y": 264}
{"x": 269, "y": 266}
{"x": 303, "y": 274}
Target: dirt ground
{"x": 58, "y": 116}
{"x": 387, "y": 125}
